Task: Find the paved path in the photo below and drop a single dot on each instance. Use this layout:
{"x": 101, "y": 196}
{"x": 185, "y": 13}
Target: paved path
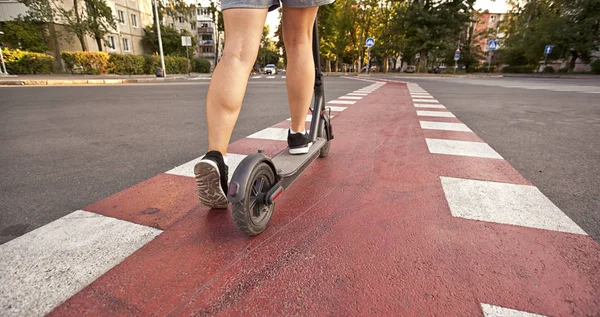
{"x": 411, "y": 213}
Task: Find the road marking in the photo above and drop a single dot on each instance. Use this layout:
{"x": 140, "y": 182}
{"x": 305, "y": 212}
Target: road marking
{"x": 350, "y": 97}
{"x": 462, "y": 148}
{"x": 337, "y": 108}
{"x": 278, "y": 134}
{"x": 446, "y": 126}
{"x": 283, "y": 77}
{"x": 308, "y": 118}
{"x": 421, "y": 96}
{"x": 498, "y": 311}
{"x": 270, "y": 77}
{"x": 256, "y": 77}
{"x": 342, "y": 102}
{"x": 46, "y": 266}
{"x": 187, "y": 169}
{"x": 511, "y": 204}
{"x": 425, "y": 100}
{"x": 443, "y": 114}
{"x": 429, "y": 105}
{"x": 356, "y": 94}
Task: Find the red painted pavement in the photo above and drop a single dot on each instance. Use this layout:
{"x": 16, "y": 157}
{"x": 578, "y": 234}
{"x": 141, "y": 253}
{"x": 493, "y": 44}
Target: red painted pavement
{"x": 365, "y": 231}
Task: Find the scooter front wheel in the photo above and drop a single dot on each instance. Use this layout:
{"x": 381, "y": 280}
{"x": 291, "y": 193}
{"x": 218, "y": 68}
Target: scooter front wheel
{"x": 252, "y": 214}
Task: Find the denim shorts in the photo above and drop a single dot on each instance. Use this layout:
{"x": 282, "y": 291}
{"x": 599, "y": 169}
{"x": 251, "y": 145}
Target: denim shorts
{"x": 272, "y": 4}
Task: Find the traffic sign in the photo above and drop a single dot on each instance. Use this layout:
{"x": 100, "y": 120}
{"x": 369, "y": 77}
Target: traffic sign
{"x": 457, "y": 55}
{"x": 548, "y": 49}
{"x": 492, "y": 45}
{"x": 186, "y": 41}
{"x": 418, "y": 55}
{"x": 370, "y": 42}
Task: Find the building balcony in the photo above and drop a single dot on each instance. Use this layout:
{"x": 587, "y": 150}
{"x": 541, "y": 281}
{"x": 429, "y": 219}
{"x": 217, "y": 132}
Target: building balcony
{"x": 205, "y": 30}
{"x": 206, "y": 42}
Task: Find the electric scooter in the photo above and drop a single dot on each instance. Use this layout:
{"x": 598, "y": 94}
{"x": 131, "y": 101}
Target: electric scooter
{"x": 259, "y": 180}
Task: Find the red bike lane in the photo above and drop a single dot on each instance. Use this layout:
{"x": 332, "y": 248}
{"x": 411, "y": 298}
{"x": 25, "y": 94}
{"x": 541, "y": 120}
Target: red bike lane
{"x": 366, "y": 231}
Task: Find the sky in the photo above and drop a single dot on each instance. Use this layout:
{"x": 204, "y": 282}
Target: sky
{"x": 498, "y": 6}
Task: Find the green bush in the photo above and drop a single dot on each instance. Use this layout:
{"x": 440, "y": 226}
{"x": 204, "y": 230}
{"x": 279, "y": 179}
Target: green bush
{"x": 549, "y": 70}
{"x": 22, "y": 62}
{"x": 596, "y": 66}
{"x": 176, "y": 65}
{"x": 481, "y": 69}
{"x": 563, "y": 70}
{"x": 127, "y": 64}
{"x": 94, "y": 63}
{"x": 200, "y": 65}
{"x": 519, "y": 69}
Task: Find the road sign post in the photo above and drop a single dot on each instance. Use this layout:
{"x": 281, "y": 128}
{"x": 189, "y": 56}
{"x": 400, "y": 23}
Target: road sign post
{"x": 3, "y": 69}
{"x": 456, "y": 58}
{"x": 370, "y": 42}
{"x": 492, "y": 46}
{"x": 186, "y": 41}
{"x": 547, "y": 51}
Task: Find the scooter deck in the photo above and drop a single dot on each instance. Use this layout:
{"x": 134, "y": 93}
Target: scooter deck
{"x": 288, "y": 164}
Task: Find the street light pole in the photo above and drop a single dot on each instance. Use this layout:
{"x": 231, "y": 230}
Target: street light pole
{"x": 160, "y": 47}
{"x": 3, "y": 70}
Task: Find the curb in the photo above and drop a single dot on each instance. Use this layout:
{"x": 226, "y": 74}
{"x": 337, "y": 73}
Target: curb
{"x": 63, "y": 82}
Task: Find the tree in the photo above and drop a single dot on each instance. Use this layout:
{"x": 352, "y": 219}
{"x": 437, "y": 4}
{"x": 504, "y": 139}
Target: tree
{"x": 572, "y": 26}
{"x": 267, "y": 53}
{"x": 100, "y": 20}
{"x": 75, "y": 22}
{"x": 25, "y": 35}
{"x": 43, "y": 12}
{"x": 171, "y": 40}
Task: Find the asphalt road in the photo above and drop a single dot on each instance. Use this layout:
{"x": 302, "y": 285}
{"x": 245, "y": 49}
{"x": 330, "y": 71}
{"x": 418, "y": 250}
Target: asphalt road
{"x": 64, "y": 148}
{"x": 547, "y": 129}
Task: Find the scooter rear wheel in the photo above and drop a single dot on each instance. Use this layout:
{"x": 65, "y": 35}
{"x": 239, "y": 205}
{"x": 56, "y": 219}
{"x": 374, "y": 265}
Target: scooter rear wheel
{"x": 325, "y": 149}
{"x": 252, "y": 215}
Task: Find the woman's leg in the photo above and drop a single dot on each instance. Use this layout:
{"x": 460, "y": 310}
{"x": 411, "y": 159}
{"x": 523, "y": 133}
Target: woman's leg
{"x": 300, "y": 69}
{"x": 243, "y": 31}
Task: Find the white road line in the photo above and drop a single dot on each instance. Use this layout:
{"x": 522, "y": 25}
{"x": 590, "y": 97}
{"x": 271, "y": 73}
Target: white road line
{"x": 429, "y": 105}
{"x": 498, "y": 311}
{"x": 342, "y": 102}
{"x": 278, "y": 134}
{"x": 441, "y": 114}
{"x": 446, "y": 126}
{"x": 187, "y": 169}
{"x": 283, "y": 77}
{"x": 336, "y": 108}
{"x": 511, "y": 204}
{"x": 256, "y": 77}
{"x": 350, "y": 97}
{"x": 421, "y": 96}
{"x": 308, "y": 118}
{"x": 270, "y": 77}
{"x": 356, "y": 94}
{"x": 46, "y": 266}
{"x": 425, "y": 100}
{"x": 461, "y": 148}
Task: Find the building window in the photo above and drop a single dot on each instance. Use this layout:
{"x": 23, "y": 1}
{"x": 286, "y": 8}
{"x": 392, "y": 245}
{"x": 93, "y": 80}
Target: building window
{"x": 111, "y": 43}
{"x": 181, "y": 31}
{"x": 193, "y": 25}
{"x": 493, "y": 18}
{"x": 207, "y": 49}
{"x": 134, "y": 21}
{"x": 207, "y": 37}
{"x": 180, "y": 19}
{"x": 172, "y": 25}
{"x": 126, "y": 45}
{"x": 121, "y": 17}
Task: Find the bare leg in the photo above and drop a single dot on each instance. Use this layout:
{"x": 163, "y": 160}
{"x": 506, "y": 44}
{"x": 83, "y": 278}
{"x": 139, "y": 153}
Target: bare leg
{"x": 300, "y": 77}
{"x": 243, "y": 31}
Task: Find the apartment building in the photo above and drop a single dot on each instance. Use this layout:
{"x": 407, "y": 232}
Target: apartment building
{"x": 131, "y": 15}
{"x": 210, "y": 40}
{"x": 489, "y": 24}
{"x": 180, "y": 23}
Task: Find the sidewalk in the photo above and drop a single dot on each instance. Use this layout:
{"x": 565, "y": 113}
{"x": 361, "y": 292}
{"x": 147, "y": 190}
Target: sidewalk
{"x": 62, "y": 80}
{"x": 411, "y": 214}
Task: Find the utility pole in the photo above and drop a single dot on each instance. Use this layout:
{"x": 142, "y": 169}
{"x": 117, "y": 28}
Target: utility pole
{"x": 3, "y": 70}
{"x": 160, "y": 47}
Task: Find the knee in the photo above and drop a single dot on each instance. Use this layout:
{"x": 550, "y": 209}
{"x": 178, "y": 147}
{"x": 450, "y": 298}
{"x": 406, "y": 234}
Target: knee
{"x": 297, "y": 39}
{"x": 239, "y": 57}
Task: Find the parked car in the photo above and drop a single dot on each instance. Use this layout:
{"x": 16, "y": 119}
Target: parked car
{"x": 411, "y": 68}
{"x": 270, "y": 69}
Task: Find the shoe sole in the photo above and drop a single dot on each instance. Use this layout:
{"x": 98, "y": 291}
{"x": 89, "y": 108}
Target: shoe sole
{"x": 301, "y": 150}
{"x": 208, "y": 180}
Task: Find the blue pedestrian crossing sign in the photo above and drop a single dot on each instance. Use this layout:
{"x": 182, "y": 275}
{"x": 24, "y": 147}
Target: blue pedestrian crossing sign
{"x": 370, "y": 42}
{"x": 492, "y": 45}
{"x": 548, "y": 49}
{"x": 457, "y": 55}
